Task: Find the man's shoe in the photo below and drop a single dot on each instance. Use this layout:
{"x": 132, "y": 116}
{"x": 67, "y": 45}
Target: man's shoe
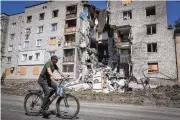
{"x": 45, "y": 113}
{"x": 53, "y": 112}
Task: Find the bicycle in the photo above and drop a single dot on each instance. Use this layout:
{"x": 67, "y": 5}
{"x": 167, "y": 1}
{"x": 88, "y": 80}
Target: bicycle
{"x": 65, "y": 100}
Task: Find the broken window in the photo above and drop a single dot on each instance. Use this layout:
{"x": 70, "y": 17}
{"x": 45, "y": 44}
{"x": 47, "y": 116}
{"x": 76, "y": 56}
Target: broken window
{"x": 152, "y": 47}
{"x": 70, "y": 25}
{"x": 29, "y": 19}
{"x": 71, "y": 11}
{"x": 153, "y": 67}
{"x": 55, "y": 13}
{"x": 150, "y": 11}
{"x": 70, "y": 40}
{"x": 127, "y": 15}
{"x": 41, "y": 16}
{"x": 68, "y": 68}
{"x": 151, "y": 29}
{"x": 69, "y": 55}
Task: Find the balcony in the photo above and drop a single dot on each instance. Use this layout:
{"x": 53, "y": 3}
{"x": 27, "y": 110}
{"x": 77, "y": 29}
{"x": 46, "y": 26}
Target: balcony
{"x": 122, "y": 45}
{"x": 71, "y": 12}
{"x": 70, "y": 29}
{"x": 69, "y": 44}
{"x": 71, "y": 16}
{"x": 70, "y": 26}
{"x": 69, "y": 40}
{"x": 68, "y": 59}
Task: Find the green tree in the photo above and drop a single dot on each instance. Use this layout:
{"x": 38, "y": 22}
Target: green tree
{"x": 177, "y": 23}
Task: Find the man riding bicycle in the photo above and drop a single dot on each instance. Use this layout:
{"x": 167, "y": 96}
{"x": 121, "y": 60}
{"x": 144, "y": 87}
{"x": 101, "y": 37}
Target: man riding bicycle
{"x": 45, "y": 82}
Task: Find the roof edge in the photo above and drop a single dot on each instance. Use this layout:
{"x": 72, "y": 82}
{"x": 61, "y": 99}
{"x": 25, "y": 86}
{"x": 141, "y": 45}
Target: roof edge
{"x": 37, "y": 4}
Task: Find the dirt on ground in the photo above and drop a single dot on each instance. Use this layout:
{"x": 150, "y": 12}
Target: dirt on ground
{"x": 161, "y": 96}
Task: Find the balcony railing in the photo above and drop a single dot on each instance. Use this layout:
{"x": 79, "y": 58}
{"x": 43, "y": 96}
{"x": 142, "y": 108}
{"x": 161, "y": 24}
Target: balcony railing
{"x": 70, "y": 29}
{"x": 69, "y": 44}
{"x": 68, "y": 59}
{"x": 69, "y": 16}
{"x": 123, "y": 45}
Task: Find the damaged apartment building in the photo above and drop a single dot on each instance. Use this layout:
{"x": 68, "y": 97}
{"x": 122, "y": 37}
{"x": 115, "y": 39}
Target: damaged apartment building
{"x": 130, "y": 39}
{"x": 125, "y": 38}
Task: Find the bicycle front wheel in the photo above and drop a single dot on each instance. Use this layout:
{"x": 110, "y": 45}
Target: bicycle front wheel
{"x": 67, "y": 106}
{"x": 32, "y": 104}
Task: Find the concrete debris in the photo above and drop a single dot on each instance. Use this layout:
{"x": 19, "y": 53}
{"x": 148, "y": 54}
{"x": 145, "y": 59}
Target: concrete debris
{"x": 82, "y": 86}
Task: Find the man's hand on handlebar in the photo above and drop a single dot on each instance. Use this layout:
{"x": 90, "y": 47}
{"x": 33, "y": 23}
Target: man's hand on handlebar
{"x": 57, "y": 78}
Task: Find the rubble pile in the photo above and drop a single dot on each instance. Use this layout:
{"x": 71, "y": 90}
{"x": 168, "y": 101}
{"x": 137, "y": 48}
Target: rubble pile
{"x": 20, "y": 89}
{"x": 159, "y": 96}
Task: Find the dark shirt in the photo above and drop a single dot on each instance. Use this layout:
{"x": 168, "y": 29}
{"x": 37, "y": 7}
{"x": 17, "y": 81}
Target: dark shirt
{"x": 48, "y": 64}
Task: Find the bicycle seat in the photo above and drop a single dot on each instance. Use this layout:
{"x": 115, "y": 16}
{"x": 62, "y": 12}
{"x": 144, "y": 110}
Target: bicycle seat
{"x": 35, "y": 91}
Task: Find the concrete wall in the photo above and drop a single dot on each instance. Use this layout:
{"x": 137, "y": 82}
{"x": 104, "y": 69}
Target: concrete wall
{"x": 177, "y": 40}
{"x": 4, "y": 27}
{"x": 165, "y": 55}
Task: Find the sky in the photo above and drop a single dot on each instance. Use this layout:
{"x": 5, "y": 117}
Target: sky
{"x": 12, "y": 7}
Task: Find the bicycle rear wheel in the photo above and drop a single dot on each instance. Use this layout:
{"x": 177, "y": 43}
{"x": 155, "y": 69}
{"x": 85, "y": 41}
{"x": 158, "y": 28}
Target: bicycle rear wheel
{"x": 67, "y": 106}
{"x": 32, "y": 104}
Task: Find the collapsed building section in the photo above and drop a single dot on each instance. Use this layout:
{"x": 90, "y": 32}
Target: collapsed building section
{"x": 105, "y": 49}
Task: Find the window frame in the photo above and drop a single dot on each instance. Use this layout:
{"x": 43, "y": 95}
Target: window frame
{"x": 129, "y": 15}
{"x": 55, "y": 26}
{"x": 37, "y": 42}
{"x": 50, "y": 53}
{"x": 13, "y": 25}
{"x": 153, "y": 63}
{"x": 9, "y": 59}
{"x": 53, "y": 14}
{"x": 148, "y": 8}
{"x": 39, "y": 30}
{"x": 12, "y": 36}
{"x": 29, "y": 20}
{"x": 37, "y": 58}
{"x": 31, "y": 57}
{"x": 54, "y": 40}
{"x": 24, "y": 46}
{"x": 151, "y": 29}
{"x": 10, "y": 48}
{"x": 40, "y": 17}
{"x": 152, "y": 49}
{"x": 24, "y": 56}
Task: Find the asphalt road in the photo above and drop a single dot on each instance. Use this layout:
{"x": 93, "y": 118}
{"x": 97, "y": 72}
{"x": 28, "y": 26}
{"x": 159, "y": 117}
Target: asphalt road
{"x": 12, "y": 109}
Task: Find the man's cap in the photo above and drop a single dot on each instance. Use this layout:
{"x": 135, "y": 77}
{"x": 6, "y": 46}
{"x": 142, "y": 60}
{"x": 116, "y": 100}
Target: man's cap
{"x": 54, "y": 57}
